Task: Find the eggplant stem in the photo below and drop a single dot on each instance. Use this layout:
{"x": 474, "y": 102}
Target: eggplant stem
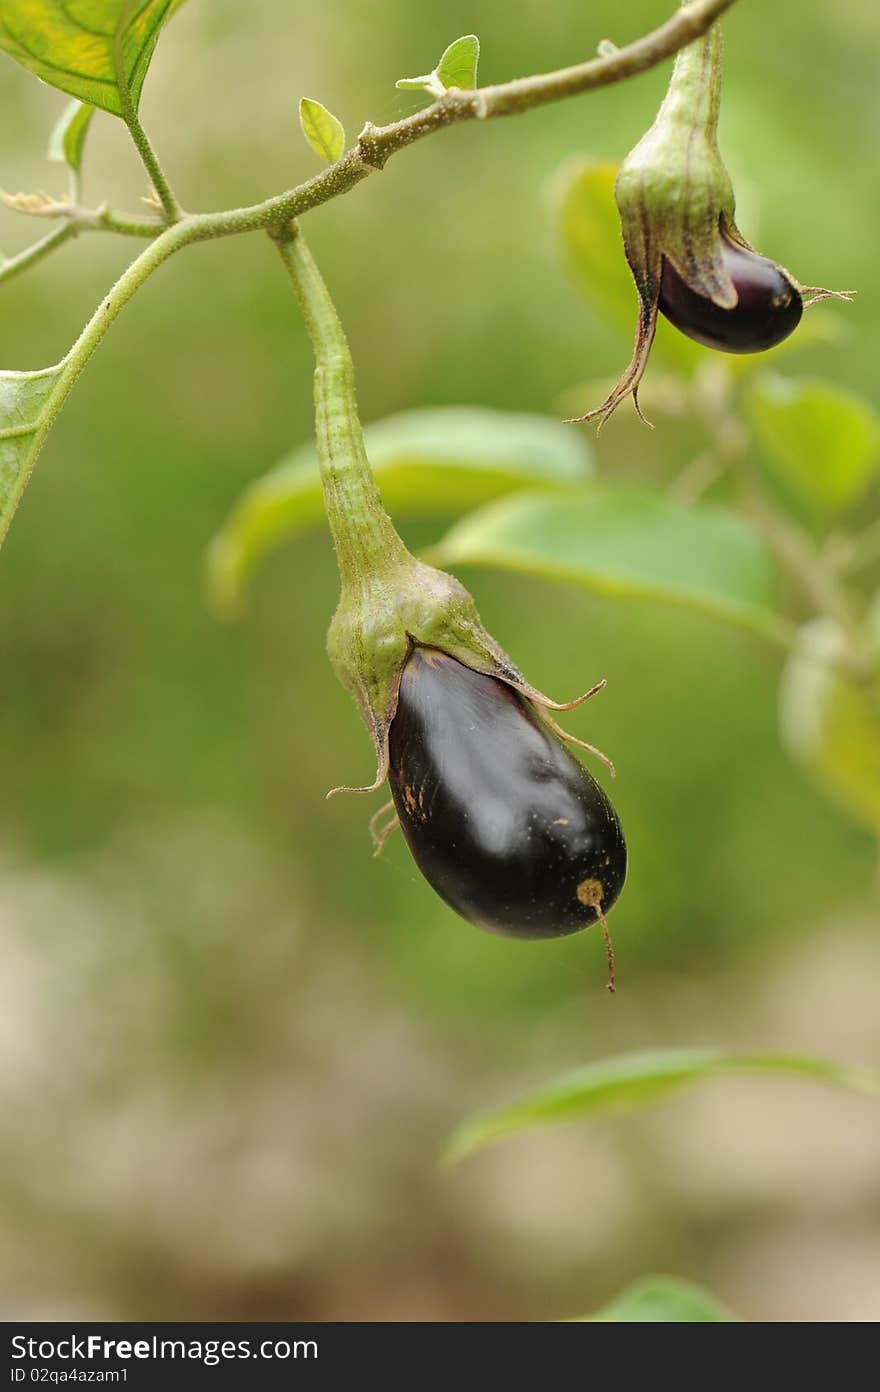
{"x": 609, "y": 949}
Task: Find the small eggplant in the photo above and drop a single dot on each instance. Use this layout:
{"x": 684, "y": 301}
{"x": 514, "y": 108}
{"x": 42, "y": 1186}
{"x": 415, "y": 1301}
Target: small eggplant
{"x": 768, "y": 305}
{"x": 504, "y": 823}
{"x": 687, "y": 256}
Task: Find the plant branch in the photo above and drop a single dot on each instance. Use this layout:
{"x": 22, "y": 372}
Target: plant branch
{"x": 376, "y": 144}
{"x": 812, "y": 571}
{"x": 148, "y": 155}
{"x": 129, "y": 113}
{"x": 14, "y": 265}
{"x": 374, "y": 147}
{"x": 169, "y": 241}
{"x": 75, "y": 220}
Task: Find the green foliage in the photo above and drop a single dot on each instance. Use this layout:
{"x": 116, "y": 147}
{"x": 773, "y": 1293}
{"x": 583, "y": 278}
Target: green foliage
{"x": 589, "y": 226}
{"x": 432, "y": 462}
{"x": 830, "y": 721}
{"x": 68, "y": 138}
{"x": 457, "y": 68}
{"x": 627, "y": 541}
{"x": 458, "y": 65}
{"x": 324, "y": 131}
{"x": 24, "y": 405}
{"x": 663, "y": 1300}
{"x": 91, "y": 49}
{"x": 636, "y": 1080}
{"x": 819, "y": 441}
{"x": 590, "y": 230}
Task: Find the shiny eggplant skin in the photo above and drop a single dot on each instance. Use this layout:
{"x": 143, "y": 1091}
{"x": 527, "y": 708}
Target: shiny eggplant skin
{"x": 769, "y": 307}
{"x": 504, "y": 823}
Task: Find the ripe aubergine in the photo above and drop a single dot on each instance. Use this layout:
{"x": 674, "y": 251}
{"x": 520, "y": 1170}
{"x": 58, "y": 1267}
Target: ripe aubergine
{"x": 768, "y": 308}
{"x": 504, "y": 823}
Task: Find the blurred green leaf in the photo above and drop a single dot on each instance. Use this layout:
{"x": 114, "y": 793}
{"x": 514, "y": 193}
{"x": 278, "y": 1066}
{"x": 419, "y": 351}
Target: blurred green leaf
{"x": 458, "y": 65}
{"x": 628, "y": 542}
{"x": 663, "y": 1300}
{"x": 69, "y": 135}
{"x": 820, "y": 441}
{"x": 590, "y": 228}
{"x": 324, "y": 131}
{"x": 640, "y": 1078}
{"x": 23, "y": 405}
{"x": 86, "y": 48}
{"x": 427, "y": 463}
{"x": 830, "y": 722}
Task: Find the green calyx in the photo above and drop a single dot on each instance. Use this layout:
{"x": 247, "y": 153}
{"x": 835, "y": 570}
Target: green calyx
{"x": 676, "y": 203}
{"x": 389, "y": 600}
{"x": 380, "y": 619}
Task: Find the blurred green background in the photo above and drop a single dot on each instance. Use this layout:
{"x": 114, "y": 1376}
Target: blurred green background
{"x": 231, "y": 1043}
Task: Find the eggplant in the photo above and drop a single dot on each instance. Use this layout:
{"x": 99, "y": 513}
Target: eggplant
{"x": 768, "y": 308}
{"x": 502, "y": 820}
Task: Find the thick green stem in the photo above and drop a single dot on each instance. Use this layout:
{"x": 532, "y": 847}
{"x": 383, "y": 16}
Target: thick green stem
{"x": 693, "y": 97}
{"x": 14, "y": 265}
{"x": 363, "y": 534}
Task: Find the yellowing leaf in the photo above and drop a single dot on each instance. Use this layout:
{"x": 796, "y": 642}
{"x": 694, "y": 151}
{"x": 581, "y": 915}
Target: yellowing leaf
{"x": 92, "y": 49}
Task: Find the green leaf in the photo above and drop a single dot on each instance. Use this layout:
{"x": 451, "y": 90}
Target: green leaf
{"x": 69, "y": 135}
{"x": 24, "y": 408}
{"x": 324, "y": 131}
{"x": 640, "y": 1078}
{"x": 433, "y": 462}
{"x": 86, "y": 47}
{"x": 819, "y": 441}
{"x": 458, "y": 66}
{"x": 417, "y": 84}
{"x": 628, "y": 542}
{"x": 591, "y": 238}
{"x": 830, "y": 721}
{"x": 663, "y": 1300}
